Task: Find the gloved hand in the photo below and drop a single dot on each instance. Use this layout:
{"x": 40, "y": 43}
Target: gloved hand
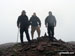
{"x": 54, "y": 25}
{"x": 46, "y": 25}
{"x": 39, "y": 26}
{"x": 18, "y": 26}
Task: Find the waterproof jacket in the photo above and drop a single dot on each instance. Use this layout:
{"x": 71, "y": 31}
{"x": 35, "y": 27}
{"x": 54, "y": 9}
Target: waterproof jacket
{"x": 50, "y": 20}
{"x": 35, "y": 21}
{"x": 23, "y": 21}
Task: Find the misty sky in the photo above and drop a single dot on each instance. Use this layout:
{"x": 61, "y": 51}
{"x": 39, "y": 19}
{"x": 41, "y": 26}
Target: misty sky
{"x": 63, "y": 10}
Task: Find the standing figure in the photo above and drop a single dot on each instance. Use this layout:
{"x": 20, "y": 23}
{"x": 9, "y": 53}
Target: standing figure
{"x": 50, "y": 23}
{"x": 23, "y": 24}
{"x": 35, "y": 25}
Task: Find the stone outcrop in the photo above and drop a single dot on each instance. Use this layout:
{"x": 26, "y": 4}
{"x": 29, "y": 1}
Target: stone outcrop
{"x": 39, "y": 47}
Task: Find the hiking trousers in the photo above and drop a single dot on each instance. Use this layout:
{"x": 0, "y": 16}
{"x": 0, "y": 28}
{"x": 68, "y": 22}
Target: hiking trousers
{"x": 22, "y": 30}
{"x": 50, "y": 31}
{"x": 33, "y": 29}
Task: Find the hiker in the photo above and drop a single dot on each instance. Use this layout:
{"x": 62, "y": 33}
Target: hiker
{"x": 50, "y": 23}
{"x": 35, "y": 25}
{"x": 23, "y": 24}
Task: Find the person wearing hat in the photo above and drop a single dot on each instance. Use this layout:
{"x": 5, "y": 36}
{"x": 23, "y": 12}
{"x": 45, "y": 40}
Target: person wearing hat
{"x": 50, "y": 23}
{"x": 23, "y": 24}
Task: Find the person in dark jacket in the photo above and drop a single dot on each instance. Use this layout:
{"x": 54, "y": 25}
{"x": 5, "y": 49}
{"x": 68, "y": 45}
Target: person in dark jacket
{"x": 35, "y": 25}
{"x": 50, "y": 23}
{"x": 23, "y": 24}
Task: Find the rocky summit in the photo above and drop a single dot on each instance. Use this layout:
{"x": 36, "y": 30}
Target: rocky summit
{"x": 41, "y": 46}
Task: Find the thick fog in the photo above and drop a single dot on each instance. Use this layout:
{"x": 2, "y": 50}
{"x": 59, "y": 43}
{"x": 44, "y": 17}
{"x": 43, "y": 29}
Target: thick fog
{"x": 63, "y": 10}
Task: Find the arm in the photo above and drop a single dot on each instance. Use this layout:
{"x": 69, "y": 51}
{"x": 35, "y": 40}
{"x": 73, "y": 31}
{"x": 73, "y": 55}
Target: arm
{"x": 18, "y": 22}
{"x": 39, "y": 21}
{"x": 30, "y": 21}
{"x": 46, "y": 21}
{"x": 55, "y": 20}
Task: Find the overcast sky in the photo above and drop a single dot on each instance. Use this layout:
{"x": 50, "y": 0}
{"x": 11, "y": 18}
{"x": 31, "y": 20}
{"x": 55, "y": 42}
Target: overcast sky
{"x": 63, "y": 10}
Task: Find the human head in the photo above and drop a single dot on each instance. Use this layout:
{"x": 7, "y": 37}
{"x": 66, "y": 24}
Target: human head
{"x": 34, "y": 14}
{"x": 50, "y": 13}
{"x": 23, "y": 12}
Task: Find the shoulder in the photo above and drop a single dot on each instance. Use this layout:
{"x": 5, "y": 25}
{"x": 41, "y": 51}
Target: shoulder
{"x": 31, "y": 17}
{"x": 26, "y": 16}
{"x": 19, "y": 17}
{"x": 37, "y": 17}
{"x": 53, "y": 16}
{"x": 47, "y": 17}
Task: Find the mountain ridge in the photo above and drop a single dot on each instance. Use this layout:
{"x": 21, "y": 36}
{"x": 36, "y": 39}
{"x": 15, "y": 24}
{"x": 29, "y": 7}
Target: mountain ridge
{"x": 41, "y": 46}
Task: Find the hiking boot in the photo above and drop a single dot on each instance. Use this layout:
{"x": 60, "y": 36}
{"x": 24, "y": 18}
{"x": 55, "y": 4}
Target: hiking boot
{"x": 22, "y": 44}
{"x": 29, "y": 42}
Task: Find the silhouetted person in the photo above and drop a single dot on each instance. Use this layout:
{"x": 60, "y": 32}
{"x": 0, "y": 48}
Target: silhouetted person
{"x": 35, "y": 25}
{"x": 23, "y": 24}
{"x": 50, "y": 23}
